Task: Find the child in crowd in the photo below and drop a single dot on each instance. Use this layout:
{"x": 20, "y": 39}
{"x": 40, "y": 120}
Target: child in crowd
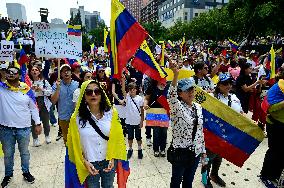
{"x": 134, "y": 116}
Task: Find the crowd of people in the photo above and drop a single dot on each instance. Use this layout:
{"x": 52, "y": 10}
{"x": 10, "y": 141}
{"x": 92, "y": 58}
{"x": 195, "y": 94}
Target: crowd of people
{"x": 89, "y": 100}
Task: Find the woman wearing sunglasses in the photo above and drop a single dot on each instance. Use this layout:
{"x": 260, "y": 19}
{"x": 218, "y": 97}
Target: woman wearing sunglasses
{"x": 95, "y": 137}
{"x": 42, "y": 90}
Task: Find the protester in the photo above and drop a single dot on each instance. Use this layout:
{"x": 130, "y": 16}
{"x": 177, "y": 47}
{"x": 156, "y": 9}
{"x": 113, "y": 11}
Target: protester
{"x": 201, "y": 79}
{"x": 187, "y": 126}
{"x": 42, "y": 91}
{"x": 119, "y": 102}
{"x": 104, "y": 81}
{"x": 273, "y": 164}
{"x": 134, "y": 116}
{"x": 17, "y": 106}
{"x": 245, "y": 86}
{"x": 95, "y": 125}
{"x": 84, "y": 76}
{"x": 153, "y": 92}
{"x": 63, "y": 94}
{"x": 76, "y": 70}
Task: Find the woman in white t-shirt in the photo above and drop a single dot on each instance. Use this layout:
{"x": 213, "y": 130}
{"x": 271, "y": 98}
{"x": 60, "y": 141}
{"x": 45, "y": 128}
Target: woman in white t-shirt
{"x": 222, "y": 93}
{"x": 85, "y": 76}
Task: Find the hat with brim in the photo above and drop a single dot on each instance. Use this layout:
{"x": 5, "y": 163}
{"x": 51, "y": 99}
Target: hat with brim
{"x": 185, "y": 84}
{"x": 65, "y": 65}
{"x": 225, "y": 78}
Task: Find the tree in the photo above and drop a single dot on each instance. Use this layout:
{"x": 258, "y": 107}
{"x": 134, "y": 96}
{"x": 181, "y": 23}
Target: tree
{"x": 98, "y": 34}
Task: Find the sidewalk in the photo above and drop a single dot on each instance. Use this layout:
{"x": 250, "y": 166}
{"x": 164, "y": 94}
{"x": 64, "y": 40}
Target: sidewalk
{"x": 47, "y": 165}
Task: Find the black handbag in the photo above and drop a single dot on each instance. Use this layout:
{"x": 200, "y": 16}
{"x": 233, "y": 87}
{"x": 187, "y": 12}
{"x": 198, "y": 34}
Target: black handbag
{"x": 183, "y": 156}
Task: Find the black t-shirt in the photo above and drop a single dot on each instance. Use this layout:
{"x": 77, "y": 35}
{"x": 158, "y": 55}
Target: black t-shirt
{"x": 243, "y": 80}
{"x": 154, "y": 93}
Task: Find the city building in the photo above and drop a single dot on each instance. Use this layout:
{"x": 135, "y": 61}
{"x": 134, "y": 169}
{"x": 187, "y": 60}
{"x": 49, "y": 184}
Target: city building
{"x": 134, "y": 7}
{"x": 16, "y": 11}
{"x": 171, "y": 11}
{"x": 92, "y": 20}
{"x": 57, "y": 21}
{"x": 89, "y": 20}
{"x": 149, "y": 12}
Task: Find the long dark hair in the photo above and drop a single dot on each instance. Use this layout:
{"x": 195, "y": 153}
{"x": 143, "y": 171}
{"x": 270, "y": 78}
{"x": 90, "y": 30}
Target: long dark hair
{"x": 84, "y": 112}
{"x": 40, "y": 75}
{"x": 244, "y": 67}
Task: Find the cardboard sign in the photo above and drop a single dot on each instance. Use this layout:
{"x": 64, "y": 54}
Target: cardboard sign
{"x": 55, "y": 41}
{"x": 6, "y": 50}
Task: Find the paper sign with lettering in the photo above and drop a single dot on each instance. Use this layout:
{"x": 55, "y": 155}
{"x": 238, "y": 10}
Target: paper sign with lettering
{"x": 6, "y": 50}
{"x": 55, "y": 41}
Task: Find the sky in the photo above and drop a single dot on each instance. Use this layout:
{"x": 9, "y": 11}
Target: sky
{"x": 59, "y": 8}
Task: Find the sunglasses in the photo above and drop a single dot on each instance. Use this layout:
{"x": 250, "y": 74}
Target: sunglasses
{"x": 101, "y": 71}
{"x": 12, "y": 71}
{"x": 96, "y": 91}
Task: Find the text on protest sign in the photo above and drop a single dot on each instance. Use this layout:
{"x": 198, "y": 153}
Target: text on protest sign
{"x": 54, "y": 41}
{"x": 6, "y": 50}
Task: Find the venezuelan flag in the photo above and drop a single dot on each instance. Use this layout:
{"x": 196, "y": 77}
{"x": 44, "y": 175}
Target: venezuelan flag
{"x": 227, "y": 133}
{"x": 162, "y": 60}
{"x": 274, "y": 95}
{"x": 157, "y": 117}
{"x": 126, "y": 35}
{"x": 234, "y": 45}
{"x": 169, "y": 44}
{"x": 23, "y": 57}
{"x": 74, "y": 30}
{"x": 182, "y": 74}
{"x": 145, "y": 62}
{"x": 123, "y": 171}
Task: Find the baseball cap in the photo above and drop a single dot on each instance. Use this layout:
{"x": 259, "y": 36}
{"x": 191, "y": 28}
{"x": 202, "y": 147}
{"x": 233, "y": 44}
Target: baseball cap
{"x": 224, "y": 77}
{"x": 75, "y": 65}
{"x": 185, "y": 84}
{"x": 65, "y": 65}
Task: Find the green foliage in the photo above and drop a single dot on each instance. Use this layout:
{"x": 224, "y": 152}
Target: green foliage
{"x": 98, "y": 34}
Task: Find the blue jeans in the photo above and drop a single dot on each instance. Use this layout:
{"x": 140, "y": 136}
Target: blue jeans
{"x": 184, "y": 174}
{"x": 8, "y": 138}
{"x": 107, "y": 178}
{"x": 52, "y": 117}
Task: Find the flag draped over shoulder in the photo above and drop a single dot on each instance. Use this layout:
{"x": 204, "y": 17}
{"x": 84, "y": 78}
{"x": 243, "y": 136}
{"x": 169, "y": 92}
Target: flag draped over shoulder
{"x": 75, "y": 170}
{"x": 145, "y": 62}
{"x": 126, "y": 35}
{"x": 227, "y": 133}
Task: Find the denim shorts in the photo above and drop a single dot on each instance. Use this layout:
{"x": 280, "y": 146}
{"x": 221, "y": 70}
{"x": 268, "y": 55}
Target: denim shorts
{"x": 134, "y": 130}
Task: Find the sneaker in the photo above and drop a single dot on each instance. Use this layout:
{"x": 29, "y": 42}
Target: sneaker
{"x": 47, "y": 139}
{"x": 6, "y": 181}
{"x": 129, "y": 153}
{"x": 268, "y": 183}
{"x": 140, "y": 154}
{"x": 58, "y": 137}
{"x": 218, "y": 180}
{"x": 156, "y": 154}
{"x": 29, "y": 178}
{"x": 163, "y": 154}
{"x": 54, "y": 125}
{"x": 148, "y": 142}
{"x": 36, "y": 143}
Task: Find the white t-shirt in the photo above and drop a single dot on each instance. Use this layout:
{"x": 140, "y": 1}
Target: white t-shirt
{"x": 94, "y": 146}
{"x": 132, "y": 114}
{"x": 235, "y": 102}
{"x": 76, "y": 95}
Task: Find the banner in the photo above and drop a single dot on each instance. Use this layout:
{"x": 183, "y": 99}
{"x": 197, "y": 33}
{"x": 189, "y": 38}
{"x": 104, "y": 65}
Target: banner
{"x": 6, "y": 50}
{"x": 57, "y": 41}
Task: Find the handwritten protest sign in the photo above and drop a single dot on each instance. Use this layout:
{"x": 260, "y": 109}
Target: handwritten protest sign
{"x": 54, "y": 41}
{"x": 6, "y": 50}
